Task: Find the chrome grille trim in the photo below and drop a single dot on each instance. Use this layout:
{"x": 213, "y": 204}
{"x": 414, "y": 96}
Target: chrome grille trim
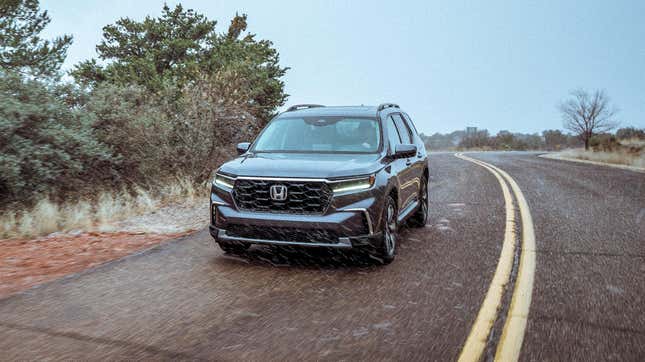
{"x": 303, "y": 197}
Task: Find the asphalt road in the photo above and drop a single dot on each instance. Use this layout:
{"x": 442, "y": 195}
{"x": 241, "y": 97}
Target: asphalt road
{"x": 185, "y": 299}
{"x": 589, "y": 292}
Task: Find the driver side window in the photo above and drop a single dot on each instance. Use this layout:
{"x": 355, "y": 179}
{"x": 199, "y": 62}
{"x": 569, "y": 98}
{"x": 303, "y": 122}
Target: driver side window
{"x": 404, "y": 131}
{"x": 392, "y": 134}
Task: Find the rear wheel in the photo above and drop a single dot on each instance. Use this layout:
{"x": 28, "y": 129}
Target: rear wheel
{"x": 386, "y": 248}
{"x": 233, "y": 248}
{"x": 420, "y": 216}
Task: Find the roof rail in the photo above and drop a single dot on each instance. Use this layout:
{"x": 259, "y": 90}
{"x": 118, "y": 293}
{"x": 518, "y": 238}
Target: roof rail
{"x": 296, "y": 107}
{"x": 382, "y": 106}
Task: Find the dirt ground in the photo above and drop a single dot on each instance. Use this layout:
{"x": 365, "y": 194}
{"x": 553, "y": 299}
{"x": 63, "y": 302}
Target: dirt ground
{"x": 25, "y": 263}
{"x": 28, "y": 262}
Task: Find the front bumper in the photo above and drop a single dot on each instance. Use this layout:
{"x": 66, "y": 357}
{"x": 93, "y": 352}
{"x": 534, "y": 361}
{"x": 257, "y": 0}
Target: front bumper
{"x": 342, "y": 226}
{"x": 342, "y": 243}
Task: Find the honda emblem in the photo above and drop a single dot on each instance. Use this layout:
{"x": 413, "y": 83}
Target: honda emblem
{"x": 278, "y": 192}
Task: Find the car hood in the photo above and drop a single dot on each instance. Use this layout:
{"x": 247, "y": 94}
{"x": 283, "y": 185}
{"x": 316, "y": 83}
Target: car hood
{"x": 302, "y": 165}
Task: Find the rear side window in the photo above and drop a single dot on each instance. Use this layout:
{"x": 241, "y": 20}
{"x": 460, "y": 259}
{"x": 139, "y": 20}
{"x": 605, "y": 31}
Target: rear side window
{"x": 404, "y": 131}
{"x": 410, "y": 124}
{"x": 392, "y": 134}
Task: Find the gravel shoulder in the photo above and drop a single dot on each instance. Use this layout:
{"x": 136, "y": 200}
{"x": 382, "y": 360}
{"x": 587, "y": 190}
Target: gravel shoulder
{"x": 25, "y": 263}
{"x": 564, "y": 157}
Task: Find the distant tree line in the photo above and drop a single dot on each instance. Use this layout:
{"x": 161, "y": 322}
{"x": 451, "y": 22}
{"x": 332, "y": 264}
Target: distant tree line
{"x": 166, "y": 97}
{"x": 589, "y": 116}
{"x": 551, "y": 140}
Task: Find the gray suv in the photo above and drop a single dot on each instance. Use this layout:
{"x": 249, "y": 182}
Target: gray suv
{"x": 332, "y": 177}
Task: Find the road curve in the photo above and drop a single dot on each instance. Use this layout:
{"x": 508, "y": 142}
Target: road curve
{"x": 588, "y": 295}
{"x": 186, "y": 300}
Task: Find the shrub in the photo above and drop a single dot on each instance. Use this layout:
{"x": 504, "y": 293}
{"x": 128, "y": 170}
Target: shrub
{"x": 603, "y": 142}
{"x": 215, "y": 118}
{"x": 630, "y": 133}
{"x": 45, "y": 145}
{"x": 185, "y": 132}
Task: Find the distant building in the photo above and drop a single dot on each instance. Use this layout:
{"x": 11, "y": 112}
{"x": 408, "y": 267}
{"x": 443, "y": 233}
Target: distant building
{"x": 471, "y": 131}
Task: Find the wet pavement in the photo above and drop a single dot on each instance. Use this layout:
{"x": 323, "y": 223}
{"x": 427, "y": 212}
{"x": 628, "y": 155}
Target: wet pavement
{"x": 589, "y": 291}
{"x": 185, "y": 299}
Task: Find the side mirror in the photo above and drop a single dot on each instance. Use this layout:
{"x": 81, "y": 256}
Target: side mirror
{"x": 242, "y": 147}
{"x": 405, "y": 151}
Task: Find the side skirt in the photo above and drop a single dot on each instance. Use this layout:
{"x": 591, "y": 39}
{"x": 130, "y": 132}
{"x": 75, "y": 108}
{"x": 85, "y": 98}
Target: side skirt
{"x": 408, "y": 211}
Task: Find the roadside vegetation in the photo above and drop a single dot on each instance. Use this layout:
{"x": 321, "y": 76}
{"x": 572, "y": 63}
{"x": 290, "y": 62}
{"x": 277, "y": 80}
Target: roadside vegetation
{"x": 588, "y": 116}
{"x": 480, "y": 139}
{"x": 549, "y": 140}
{"x": 143, "y": 125}
{"x": 608, "y": 148}
{"x": 101, "y": 212}
{"x": 626, "y": 146}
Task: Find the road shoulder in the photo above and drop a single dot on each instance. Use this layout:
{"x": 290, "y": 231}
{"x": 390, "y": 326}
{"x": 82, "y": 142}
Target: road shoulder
{"x": 555, "y": 156}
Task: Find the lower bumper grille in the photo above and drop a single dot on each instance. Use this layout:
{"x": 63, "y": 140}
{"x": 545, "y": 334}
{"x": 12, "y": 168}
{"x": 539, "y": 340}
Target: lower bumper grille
{"x": 284, "y": 234}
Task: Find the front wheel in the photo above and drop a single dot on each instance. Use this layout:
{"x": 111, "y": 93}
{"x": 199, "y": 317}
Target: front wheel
{"x": 420, "y": 216}
{"x": 385, "y": 249}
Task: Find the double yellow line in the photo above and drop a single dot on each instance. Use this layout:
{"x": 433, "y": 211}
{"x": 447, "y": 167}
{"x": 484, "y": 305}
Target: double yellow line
{"x": 510, "y": 343}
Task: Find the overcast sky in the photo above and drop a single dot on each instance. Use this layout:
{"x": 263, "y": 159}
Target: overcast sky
{"x": 500, "y": 65}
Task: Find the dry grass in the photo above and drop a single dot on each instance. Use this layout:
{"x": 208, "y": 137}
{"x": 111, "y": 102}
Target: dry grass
{"x": 620, "y": 157}
{"x": 633, "y": 142}
{"x": 47, "y": 217}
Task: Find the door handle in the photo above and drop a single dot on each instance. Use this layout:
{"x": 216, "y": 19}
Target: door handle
{"x": 419, "y": 155}
{"x": 408, "y": 162}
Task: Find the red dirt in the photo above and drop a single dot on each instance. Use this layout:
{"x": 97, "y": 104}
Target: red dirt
{"x": 25, "y": 263}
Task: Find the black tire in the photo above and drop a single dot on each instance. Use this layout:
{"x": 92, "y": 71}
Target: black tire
{"x": 233, "y": 248}
{"x": 420, "y": 217}
{"x": 385, "y": 250}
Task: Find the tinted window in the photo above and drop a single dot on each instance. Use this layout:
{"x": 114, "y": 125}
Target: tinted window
{"x": 392, "y": 133}
{"x": 404, "y": 131}
{"x": 320, "y": 134}
{"x": 410, "y": 124}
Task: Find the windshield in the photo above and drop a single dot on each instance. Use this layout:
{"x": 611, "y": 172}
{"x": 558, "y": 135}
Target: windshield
{"x": 320, "y": 135}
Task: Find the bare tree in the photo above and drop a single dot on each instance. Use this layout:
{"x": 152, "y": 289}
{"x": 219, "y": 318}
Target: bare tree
{"x": 585, "y": 114}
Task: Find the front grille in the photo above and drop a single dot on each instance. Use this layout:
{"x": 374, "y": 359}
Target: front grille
{"x": 283, "y": 234}
{"x": 309, "y": 197}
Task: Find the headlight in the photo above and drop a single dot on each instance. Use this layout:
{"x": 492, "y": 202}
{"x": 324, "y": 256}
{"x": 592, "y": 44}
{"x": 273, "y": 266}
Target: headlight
{"x": 223, "y": 181}
{"x": 355, "y": 184}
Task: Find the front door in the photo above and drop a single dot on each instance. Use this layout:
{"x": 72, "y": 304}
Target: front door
{"x": 409, "y": 177}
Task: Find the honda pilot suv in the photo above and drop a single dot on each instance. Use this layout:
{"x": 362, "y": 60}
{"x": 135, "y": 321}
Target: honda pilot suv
{"x": 332, "y": 177}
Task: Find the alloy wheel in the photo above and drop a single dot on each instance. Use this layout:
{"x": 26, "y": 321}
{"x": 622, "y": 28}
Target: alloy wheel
{"x": 390, "y": 229}
{"x": 424, "y": 198}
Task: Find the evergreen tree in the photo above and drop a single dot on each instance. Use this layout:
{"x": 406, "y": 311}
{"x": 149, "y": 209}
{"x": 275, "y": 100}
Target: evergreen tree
{"x": 21, "y": 48}
{"x": 180, "y": 48}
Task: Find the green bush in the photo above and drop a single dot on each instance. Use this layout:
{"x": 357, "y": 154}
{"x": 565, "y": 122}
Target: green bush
{"x": 46, "y": 145}
{"x": 183, "y": 132}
